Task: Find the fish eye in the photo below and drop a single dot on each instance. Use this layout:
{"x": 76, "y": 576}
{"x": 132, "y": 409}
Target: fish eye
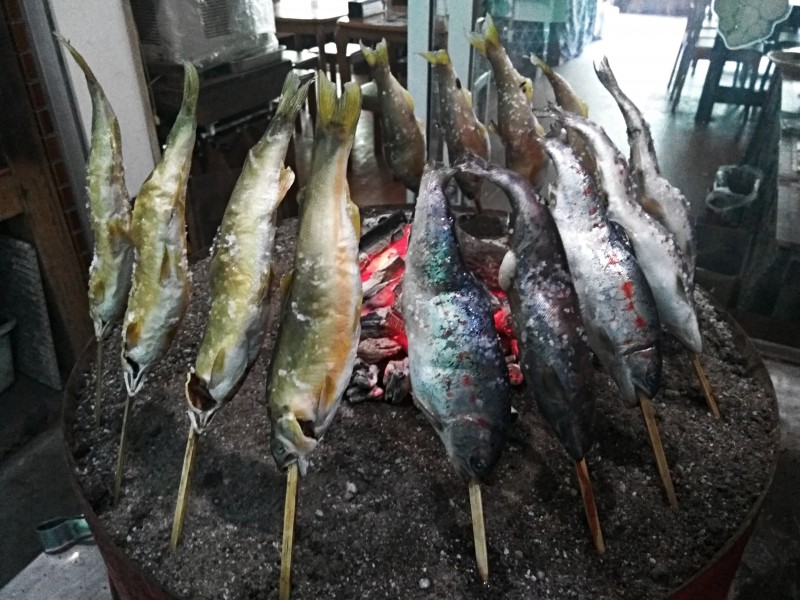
{"x": 478, "y": 465}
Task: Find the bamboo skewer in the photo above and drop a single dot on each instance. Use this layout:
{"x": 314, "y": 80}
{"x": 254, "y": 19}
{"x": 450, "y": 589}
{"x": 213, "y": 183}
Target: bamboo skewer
{"x": 123, "y": 442}
{"x": 589, "y": 506}
{"x": 98, "y": 381}
{"x": 705, "y": 385}
{"x": 288, "y": 532}
{"x": 478, "y": 530}
{"x": 658, "y": 450}
{"x": 183, "y": 488}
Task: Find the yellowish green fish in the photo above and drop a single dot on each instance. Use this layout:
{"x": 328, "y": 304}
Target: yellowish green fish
{"x": 319, "y": 329}
{"x": 516, "y": 124}
{"x": 403, "y": 138}
{"x": 109, "y": 209}
{"x": 241, "y": 266}
{"x": 566, "y": 97}
{"x": 160, "y": 287}
{"x": 463, "y": 132}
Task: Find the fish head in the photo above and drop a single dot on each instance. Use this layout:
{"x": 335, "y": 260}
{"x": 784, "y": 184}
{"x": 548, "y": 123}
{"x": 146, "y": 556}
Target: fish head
{"x": 474, "y": 446}
{"x": 292, "y": 441}
{"x": 642, "y": 373}
{"x": 202, "y": 405}
{"x": 133, "y": 373}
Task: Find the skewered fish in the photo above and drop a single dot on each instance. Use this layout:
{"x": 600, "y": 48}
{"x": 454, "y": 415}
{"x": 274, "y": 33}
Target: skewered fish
{"x": 516, "y": 124}
{"x": 458, "y": 371}
{"x": 316, "y": 346}
{"x": 463, "y": 132}
{"x": 659, "y": 198}
{"x": 403, "y": 137}
{"x": 241, "y": 266}
{"x": 617, "y": 306}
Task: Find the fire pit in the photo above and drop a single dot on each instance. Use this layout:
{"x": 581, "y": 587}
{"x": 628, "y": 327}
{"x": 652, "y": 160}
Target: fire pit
{"x": 382, "y": 515}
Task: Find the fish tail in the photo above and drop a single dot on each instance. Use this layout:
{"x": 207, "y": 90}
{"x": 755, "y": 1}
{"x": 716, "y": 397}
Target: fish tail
{"x": 439, "y": 57}
{"x": 191, "y": 89}
{"x": 487, "y": 38}
{"x": 333, "y": 112}
{"x": 87, "y": 71}
{"x": 293, "y": 96}
{"x": 377, "y": 57}
{"x": 605, "y": 74}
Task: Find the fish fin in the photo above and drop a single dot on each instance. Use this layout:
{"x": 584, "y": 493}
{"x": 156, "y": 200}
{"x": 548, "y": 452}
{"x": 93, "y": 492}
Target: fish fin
{"x": 467, "y": 95}
{"x": 119, "y": 234}
{"x": 584, "y": 108}
{"x": 377, "y": 57}
{"x": 537, "y": 127}
{"x": 493, "y": 127}
{"x": 421, "y": 126}
{"x": 97, "y": 290}
{"x": 652, "y": 207}
{"x": 487, "y": 38}
{"x": 507, "y": 270}
{"x": 293, "y": 96}
{"x": 408, "y": 98}
{"x": 166, "y": 267}
{"x": 437, "y": 425}
{"x": 605, "y": 74}
{"x": 218, "y": 368}
{"x": 285, "y": 181}
{"x": 286, "y": 284}
{"x": 133, "y": 332}
{"x": 438, "y": 57}
{"x": 355, "y": 217}
{"x": 333, "y": 112}
{"x": 326, "y": 392}
{"x": 606, "y": 345}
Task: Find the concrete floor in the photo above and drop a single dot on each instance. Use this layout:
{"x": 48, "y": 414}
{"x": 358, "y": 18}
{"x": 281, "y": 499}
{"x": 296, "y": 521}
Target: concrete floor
{"x": 641, "y": 49}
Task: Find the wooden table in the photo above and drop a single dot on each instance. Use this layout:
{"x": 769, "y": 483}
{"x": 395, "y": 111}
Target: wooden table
{"x": 310, "y": 17}
{"x": 391, "y": 26}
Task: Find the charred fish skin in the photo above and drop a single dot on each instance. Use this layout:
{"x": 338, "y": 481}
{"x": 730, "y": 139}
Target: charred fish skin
{"x": 403, "y": 138}
{"x": 160, "y": 285}
{"x": 241, "y": 266}
{"x": 319, "y": 329}
{"x": 656, "y": 250}
{"x": 463, "y": 132}
{"x": 659, "y": 198}
{"x": 616, "y": 303}
{"x": 555, "y": 357}
{"x": 109, "y": 209}
{"x": 516, "y": 124}
{"x": 457, "y": 368}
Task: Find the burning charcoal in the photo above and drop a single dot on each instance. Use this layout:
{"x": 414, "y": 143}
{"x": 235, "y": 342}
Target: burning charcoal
{"x": 378, "y": 238}
{"x": 382, "y": 299}
{"x": 396, "y": 381}
{"x": 514, "y": 373}
{"x": 382, "y": 322}
{"x": 356, "y": 395}
{"x": 375, "y": 350}
{"x": 390, "y": 271}
{"x": 364, "y": 376}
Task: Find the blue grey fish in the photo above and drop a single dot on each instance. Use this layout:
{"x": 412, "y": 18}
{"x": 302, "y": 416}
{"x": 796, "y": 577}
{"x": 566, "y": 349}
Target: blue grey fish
{"x": 535, "y": 274}
{"x": 659, "y": 198}
{"x": 656, "y": 249}
{"x": 458, "y": 371}
{"x": 617, "y": 306}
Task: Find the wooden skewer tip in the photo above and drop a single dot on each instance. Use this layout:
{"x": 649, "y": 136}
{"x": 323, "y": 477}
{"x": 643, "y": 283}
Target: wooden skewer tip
{"x": 589, "y": 506}
{"x": 288, "y": 532}
{"x": 646, "y": 406}
{"x": 123, "y": 443}
{"x": 478, "y": 530}
{"x": 183, "y": 488}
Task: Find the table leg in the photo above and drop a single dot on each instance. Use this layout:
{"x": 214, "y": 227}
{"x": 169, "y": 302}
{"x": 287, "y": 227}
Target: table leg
{"x": 711, "y": 83}
{"x": 341, "y": 56}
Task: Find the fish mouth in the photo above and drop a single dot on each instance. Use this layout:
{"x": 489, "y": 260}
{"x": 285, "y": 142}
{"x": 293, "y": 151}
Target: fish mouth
{"x": 292, "y": 441}
{"x": 200, "y": 420}
{"x": 645, "y": 369}
{"x": 473, "y": 446}
{"x": 133, "y": 374}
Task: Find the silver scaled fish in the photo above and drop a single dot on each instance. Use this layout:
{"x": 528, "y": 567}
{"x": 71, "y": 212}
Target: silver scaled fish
{"x": 554, "y": 355}
{"x": 109, "y": 209}
{"x": 462, "y": 130}
{"x": 320, "y": 323}
{"x": 160, "y": 287}
{"x": 516, "y": 123}
{"x": 659, "y": 198}
{"x": 656, "y": 250}
{"x": 402, "y": 133}
{"x": 241, "y": 266}
{"x": 458, "y": 372}
{"x": 617, "y": 306}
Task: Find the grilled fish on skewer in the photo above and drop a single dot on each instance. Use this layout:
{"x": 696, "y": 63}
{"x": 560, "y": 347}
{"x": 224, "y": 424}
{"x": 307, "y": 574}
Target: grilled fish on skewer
{"x": 160, "y": 285}
{"x": 109, "y": 215}
{"x": 241, "y": 266}
{"x": 403, "y": 138}
{"x": 655, "y": 248}
{"x": 463, "y": 132}
{"x": 659, "y": 198}
{"x": 565, "y": 96}
{"x": 554, "y": 358}
{"x": 516, "y": 124}
{"x": 458, "y": 371}
{"x": 241, "y": 272}
{"x": 318, "y": 335}
{"x": 617, "y": 306}
{"x": 546, "y": 313}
